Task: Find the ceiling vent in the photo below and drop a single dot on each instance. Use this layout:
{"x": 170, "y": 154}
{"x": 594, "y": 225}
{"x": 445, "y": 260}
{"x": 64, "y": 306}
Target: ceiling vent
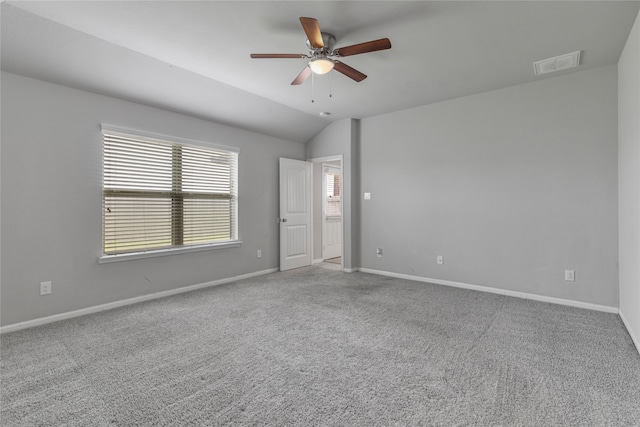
{"x": 557, "y": 63}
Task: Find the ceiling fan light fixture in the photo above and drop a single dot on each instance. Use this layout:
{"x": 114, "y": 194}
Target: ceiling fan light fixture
{"x": 321, "y": 65}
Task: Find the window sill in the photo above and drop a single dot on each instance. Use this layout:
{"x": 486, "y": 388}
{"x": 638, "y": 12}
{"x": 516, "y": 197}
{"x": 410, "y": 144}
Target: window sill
{"x": 106, "y": 259}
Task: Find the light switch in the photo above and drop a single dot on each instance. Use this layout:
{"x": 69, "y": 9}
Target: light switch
{"x": 367, "y": 196}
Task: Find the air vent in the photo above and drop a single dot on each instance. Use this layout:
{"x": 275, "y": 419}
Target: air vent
{"x": 557, "y": 63}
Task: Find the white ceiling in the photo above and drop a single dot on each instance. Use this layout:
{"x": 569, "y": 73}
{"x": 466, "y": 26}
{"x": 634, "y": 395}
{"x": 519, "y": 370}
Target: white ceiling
{"x": 193, "y": 56}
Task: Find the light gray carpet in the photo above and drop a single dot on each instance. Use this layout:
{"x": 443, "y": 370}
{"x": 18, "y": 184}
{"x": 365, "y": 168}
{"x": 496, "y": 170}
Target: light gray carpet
{"x": 320, "y": 347}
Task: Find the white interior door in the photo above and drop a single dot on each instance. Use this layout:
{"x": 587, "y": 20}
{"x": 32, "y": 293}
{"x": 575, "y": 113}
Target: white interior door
{"x": 295, "y": 214}
{"x": 331, "y": 211}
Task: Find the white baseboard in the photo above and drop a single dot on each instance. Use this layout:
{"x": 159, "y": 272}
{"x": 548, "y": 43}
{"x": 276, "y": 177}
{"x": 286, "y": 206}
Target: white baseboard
{"x": 122, "y": 303}
{"x": 317, "y": 261}
{"x": 571, "y": 303}
{"x": 635, "y": 338}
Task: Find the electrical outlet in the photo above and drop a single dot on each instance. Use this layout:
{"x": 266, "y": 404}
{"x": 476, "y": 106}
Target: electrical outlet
{"x": 440, "y": 259}
{"x": 259, "y": 253}
{"x": 45, "y": 288}
{"x": 367, "y": 196}
{"x": 379, "y": 252}
{"x": 570, "y": 275}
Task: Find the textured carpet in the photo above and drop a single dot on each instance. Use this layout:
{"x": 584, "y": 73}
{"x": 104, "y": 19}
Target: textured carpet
{"x": 319, "y": 347}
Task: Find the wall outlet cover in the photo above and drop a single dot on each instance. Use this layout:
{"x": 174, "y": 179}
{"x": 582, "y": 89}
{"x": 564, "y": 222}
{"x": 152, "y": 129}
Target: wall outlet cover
{"x": 45, "y": 288}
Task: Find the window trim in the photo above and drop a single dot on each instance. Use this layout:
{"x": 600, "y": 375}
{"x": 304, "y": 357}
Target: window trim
{"x": 106, "y": 259}
{"x": 170, "y": 138}
{"x": 153, "y": 253}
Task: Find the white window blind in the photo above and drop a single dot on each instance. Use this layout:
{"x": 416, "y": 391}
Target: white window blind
{"x": 160, "y": 194}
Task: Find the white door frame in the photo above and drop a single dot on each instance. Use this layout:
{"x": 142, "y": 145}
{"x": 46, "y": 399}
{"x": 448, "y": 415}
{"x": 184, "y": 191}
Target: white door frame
{"x": 314, "y": 214}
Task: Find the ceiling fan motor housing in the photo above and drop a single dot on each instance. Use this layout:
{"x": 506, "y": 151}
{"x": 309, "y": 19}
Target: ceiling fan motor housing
{"x": 329, "y": 40}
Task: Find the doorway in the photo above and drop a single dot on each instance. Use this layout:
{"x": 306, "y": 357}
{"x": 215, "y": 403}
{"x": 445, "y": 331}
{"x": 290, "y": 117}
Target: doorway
{"x": 311, "y": 213}
{"x": 331, "y": 213}
{"x": 327, "y": 212}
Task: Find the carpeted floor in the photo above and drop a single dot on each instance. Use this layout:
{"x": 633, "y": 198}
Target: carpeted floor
{"x": 320, "y": 347}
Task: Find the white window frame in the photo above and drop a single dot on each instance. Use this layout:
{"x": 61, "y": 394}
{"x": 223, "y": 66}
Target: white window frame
{"x": 152, "y": 253}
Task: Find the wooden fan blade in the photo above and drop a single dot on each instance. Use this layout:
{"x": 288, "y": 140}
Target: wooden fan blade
{"x": 304, "y": 75}
{"x": 278, "y": 55}
{"x": 365, "y": 47}
{"x": 350, "y": 72}
{"x": 312, "y": 30}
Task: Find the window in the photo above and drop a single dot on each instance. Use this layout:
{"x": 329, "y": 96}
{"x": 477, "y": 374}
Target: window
{"x": 160, "y": 194}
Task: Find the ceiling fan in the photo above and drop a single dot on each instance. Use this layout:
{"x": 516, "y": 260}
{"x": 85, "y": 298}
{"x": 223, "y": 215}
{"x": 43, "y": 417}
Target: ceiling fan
{"x": 322, "y": 53}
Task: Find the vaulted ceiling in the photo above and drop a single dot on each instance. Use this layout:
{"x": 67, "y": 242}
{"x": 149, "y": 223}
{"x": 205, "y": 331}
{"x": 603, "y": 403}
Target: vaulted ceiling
{"x": 193, "y": 57}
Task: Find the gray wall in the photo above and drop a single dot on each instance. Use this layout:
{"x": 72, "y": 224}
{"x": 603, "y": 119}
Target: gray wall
{"x": 51, "y": 201}
{"x": 629, "y": 181}
{"x": 512, "y": 187}
{"x": 341, "y": 138}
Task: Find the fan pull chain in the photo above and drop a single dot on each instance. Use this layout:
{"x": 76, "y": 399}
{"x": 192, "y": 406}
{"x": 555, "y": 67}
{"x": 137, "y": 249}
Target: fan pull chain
{"x": 313, "y": 87}
{"x": 330, "y": 85}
